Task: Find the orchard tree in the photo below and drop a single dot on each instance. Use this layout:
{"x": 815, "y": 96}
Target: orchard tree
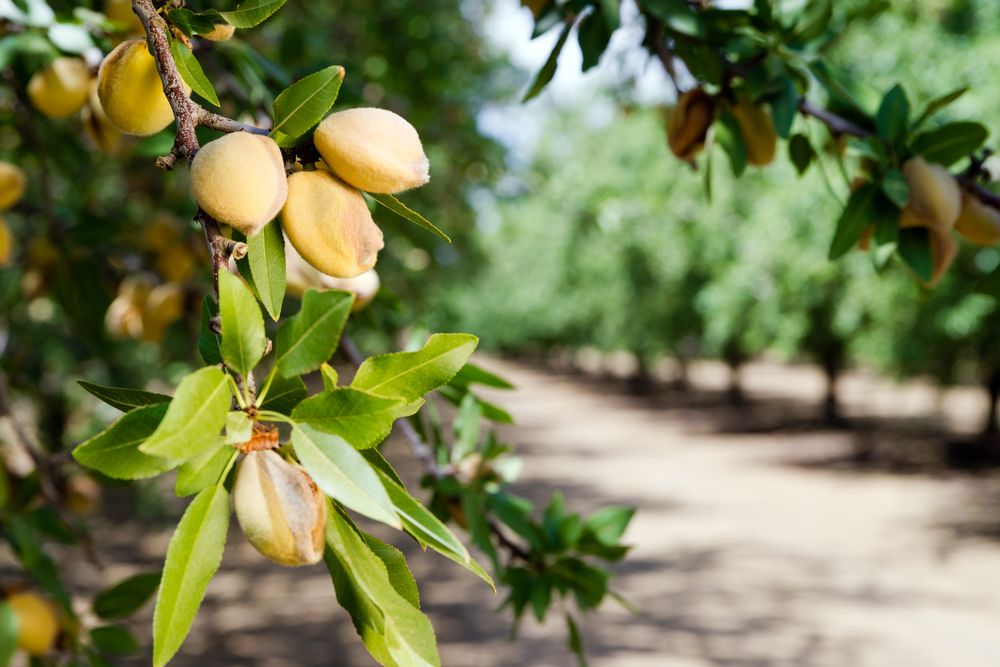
{"x": 266, "y": 426}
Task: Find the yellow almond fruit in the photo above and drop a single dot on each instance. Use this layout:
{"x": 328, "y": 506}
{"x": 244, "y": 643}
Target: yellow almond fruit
{"x": 82, "y": 495}
{"x": 6, "y": 244}
{"x": 978, "y": 222}
{"x": 239, "y": 179}
{"x": 12, "y": 184}
{"x": 758, "y": 132}
{"x": 123, "y": 319}
{"x": 120, "y": 11}
{"x": 163, "y": 307}
{"x": 300, "y": 276}
{"x": 374, "y": 150}
{"x": 688, "y": 123}
{"x": 330, "y": 225}
{"x": 220, "y": 33}
{"x": 176, "y": 263}
{"x": 130, "y": 90}
{"x": 280, "y": 509}
{"x": 943, "y": 252}
{"x": 38, "y": 625}
{"x": 934, "y": 195}
{"x": 60, "y": 90}
{"x": 101, "y": 131}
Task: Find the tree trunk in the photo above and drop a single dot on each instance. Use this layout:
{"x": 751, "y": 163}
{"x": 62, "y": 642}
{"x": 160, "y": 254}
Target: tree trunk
{"x": 831, "y": 407}
{"x": 735, "y": 392}
{"x": 993, "y": 390}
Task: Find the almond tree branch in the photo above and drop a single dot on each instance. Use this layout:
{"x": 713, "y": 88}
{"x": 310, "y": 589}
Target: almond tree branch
{"x": 838, "y": 125}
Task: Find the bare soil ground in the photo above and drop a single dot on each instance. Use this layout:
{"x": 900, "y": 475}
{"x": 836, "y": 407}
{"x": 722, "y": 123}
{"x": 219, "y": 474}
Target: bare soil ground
{"x": 760, "y": 540}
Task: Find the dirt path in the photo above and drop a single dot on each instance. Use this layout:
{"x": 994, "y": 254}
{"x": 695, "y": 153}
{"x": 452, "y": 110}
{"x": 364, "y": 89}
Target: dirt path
{"x": 742, "y": 558}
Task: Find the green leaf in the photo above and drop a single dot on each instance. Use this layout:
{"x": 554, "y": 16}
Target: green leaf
{"x": 914, "y": 247}
{"x": 814, "y": 20}
{"x": 729, "y": 136}
{"x": 360, "y": 418}
{"x": 114, "y": 639}
{"x": 239, "y": 427}
{"x": 307, "y": 340}
{"x": 127, "y": 596}
{"x": 190, "y": 70}
{"x": 330, "y": 376}
{"x": 853, "y": 220}
{"x": 342, "y": 473}
{"x": 204, "y": 470}
{"x": 801, "y": 152}
{"x": 575, "y": 641}
{"x": 428, "y": 530}
{"x": 936, "y": 105}
{"x": 9, "y": 632}
{"x": 950, "y": 143}
{"x": 593, "y": 34}
{"x": 395, "y": 564}
{"x": 404, "y": 211}
{"x": 124, "y": 399}
{"x": 266, "y": 257}
{"x": 252, "y": 12}
{"x": 115, "y": 451}
{"x": 677, "y": 15}
{"x": 475, "y": 374}
{"x": 208, "y": 340}
{"x": 194, "y": 419}
{"x": 893, "y": 116}
{"x": 191, "y": 23}
{"x": 608, "y": 524}
{"x": 410, "y": 375}
{"x": 395, "y": 632}
{"x": 895, "y": 187}
{"x": 784, "y": 107}
{"x": 548, "y": 70}
{"x": 284, "y": 394}
{"x": 301, "y": 106}
{"x": 193, "y": 556}
{"x": 243, "y": 339}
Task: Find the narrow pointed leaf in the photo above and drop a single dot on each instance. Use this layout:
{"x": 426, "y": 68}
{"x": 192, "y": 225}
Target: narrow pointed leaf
{"x": 194, "y": 419}
{"x": 190, "y": 70}
{"x": 429, "y": 531}
{"x": 250, "y": 13}
{"x": 360, "y": 418}
{"x": 343, "y": 474}
{"x": 394, "y": 630}
{"x": 266, "y": 257}
{"x": 203, "y": 470}
{"x": 310, "y": 338}
{"x": 404, "y": 211}
{"x": 284, "y": 394}
{"x": 301, "y": 106}
{"x": 243, "y": 338}
{"x": 410, "y": 375}
{"x": 124, "y": 399}
{"x": 127, "y": 596}
{"x": 115, "y": 451}
{"x": 193, "y": 557}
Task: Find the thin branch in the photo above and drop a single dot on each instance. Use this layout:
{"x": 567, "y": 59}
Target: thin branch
{"x": 837, "y": 124}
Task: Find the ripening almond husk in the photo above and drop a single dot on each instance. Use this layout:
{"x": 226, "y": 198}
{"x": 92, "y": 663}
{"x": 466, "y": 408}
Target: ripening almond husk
{"x": 280, "y": 509}
{"x": 374, "y": 150}
{"x": 330, "y": 225}
{"x": 935, "y": 197}
{"x": 689, "y": 122}
{"x": 978, "y": 222}
{"x": 944, "y": 248}
{"x": 239, "y": 179}
{"x": 758, "y": 132}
